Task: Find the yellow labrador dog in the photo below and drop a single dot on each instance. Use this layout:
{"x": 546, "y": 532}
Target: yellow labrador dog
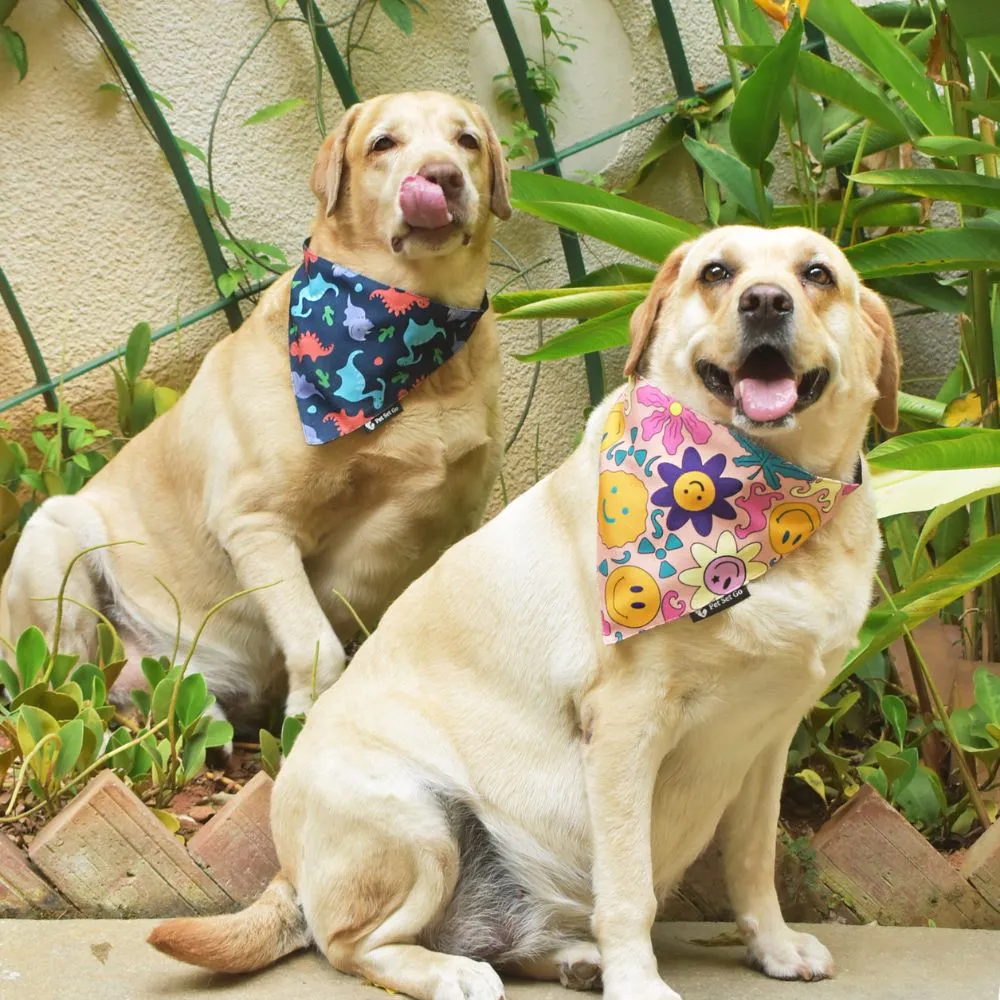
{"x": 525, "y": 793}
{"x": 224, "y": 491}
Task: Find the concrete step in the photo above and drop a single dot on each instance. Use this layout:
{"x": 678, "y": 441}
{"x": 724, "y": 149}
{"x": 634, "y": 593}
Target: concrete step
{"x": 109, "y": 960}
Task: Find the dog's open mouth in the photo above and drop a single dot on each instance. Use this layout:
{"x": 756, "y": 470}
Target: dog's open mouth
{"x": 764, "y": 388}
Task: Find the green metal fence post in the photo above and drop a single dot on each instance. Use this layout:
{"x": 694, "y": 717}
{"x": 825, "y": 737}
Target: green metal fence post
{"x": 331, "y": 54}
{"x": 676, "y": 59}
{"x": 167, "y": 142}
{"x": 543, "y": 143}
{"x": 42, "y": 378}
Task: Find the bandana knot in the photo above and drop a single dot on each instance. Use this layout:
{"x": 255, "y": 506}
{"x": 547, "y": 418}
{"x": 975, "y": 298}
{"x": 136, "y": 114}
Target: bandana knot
{"x": 357, "y": 346}
{"x": 690, "y": 511}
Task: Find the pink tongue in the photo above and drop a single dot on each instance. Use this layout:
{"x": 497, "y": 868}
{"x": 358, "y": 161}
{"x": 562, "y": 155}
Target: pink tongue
{"x": 423, "y": 203}
{"x": 764, "y": 400}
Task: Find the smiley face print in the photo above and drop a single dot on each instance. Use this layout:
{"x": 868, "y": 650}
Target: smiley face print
{"x": 789, "y": 524}
{"x": 621, "y": 508}
{"x": 632, "y": 597}
{"x": 614, "y": 425}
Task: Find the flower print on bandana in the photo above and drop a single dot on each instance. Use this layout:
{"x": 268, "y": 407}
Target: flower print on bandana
{"x": 688, "y": 534}
{"x": 721, "y": 570}
{"x": 672, "y": 418}
{"x": 696, "y": 491}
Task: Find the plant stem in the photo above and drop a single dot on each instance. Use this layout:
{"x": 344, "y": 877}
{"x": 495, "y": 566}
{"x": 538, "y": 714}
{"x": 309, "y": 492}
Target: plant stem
{"x": 24, "y": 770}
{"x": 763, "y": 211}
{"x": 849, "y": 190}
{"x": 734, "y": 70}
{"x": 350, "y": 607}
{"x": 62, "y": 594}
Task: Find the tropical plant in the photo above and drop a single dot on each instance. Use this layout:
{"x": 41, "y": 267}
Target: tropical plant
{"x": 928, "y": 82}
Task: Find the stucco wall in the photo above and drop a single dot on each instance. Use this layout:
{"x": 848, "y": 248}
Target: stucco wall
{"x": 94, "y": 235}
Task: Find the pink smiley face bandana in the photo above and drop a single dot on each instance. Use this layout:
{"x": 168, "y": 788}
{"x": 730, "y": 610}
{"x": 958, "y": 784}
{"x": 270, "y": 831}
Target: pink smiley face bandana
{"x": 690, "y": 512}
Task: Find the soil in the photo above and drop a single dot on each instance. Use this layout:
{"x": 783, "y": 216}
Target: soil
{"x": 194, "y": 805}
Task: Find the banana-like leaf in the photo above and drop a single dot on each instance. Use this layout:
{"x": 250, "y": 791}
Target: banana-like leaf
{"x": 926, "y": 252}
{"x": 978, "y": 22}
{"x": 754, "y": 120}
{"x": 938, "y": 514}
{"x": 609, "y": 330}
{"x": 725, "y": 168}
{"x": 880, "y": 50}
{"x": 943, "y": 185}
{"x": 954, "y": 145}
{"x": 905, "y": 491}
{"x": 581, "y": 305}
{"x": 939, "y": 448}
{"x": 923, "y": 598}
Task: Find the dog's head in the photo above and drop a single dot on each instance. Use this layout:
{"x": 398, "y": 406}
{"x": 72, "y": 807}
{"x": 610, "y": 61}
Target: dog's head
{"x": 769, "y": 330}
{"x": 418, "y": 172}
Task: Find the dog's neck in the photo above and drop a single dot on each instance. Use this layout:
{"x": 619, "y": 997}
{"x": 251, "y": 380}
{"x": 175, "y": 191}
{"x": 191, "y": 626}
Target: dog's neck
{"x": 836, "y": 459}
{"x": 457, "y": 278}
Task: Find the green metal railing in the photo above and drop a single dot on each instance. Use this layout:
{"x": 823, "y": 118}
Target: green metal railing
{"x": 549, "y": 160}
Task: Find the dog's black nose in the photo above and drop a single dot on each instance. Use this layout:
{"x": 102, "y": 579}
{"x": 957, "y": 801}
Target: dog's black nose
{"x": 766, "y": 305}
{"x": 446, "y": 175}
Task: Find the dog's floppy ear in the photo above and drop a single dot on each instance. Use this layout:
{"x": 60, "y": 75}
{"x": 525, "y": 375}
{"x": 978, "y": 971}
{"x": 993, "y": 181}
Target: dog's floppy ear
{"x": 644, "y": 318}
{"x": 500, "y": 169}
{"x": 328, "y": 169}
{"x": 879, "y": 321}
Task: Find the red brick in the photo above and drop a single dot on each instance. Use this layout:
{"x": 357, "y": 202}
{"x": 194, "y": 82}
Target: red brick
{"x": 235, "y": 846}
{"x": 111, "y": 857}
{"x": 982, "y": 865}
{"x": 886, "y": 871}
{"x": 23, "y": 892}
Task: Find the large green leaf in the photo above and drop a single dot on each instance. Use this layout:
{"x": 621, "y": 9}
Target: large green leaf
{"x": 609, "y": 330}
{"x": 880, "y": 50}
{"x": 854, "y": 92}
{"x": 954, "y": 145}
{"x": 627, "y": 231}
{"x": 942, "y": 512}
{"x": 725, "y": 168}
{"x": 905, "y": 491}
{"x": 939, "y": 448}
{"x": 923, "y": 598}
{"x": 978, "y": 22}
{"x": 754, "y": 120}
{"x": 922, "y": 253}
{"x": 943, "y": 185}
{"x": 845, "y": 149}
{"x": 580, "y": 305}
{"x": 924, "y": 290}
{"x": 989, "y": 108}
{"x": 529, "y": 187}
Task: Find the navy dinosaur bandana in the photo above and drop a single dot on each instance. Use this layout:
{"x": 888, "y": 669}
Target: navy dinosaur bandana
{"x": 357, "y": 347}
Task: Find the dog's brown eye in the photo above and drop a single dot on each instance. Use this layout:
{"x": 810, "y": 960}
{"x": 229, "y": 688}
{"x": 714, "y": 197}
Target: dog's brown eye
{"x": 714, "y": 272}
{"x": 468, "y": 141}
{"x": 382, "y": 143}
{"x": 818, "y": 274}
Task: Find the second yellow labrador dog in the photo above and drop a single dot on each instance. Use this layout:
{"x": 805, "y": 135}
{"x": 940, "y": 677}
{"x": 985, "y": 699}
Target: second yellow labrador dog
{"x": 551, "y": 751}
{"x": 241, "y": 484}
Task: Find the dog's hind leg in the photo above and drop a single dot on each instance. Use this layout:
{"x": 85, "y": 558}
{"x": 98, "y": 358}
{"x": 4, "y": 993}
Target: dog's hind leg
{"x": 385, "y": 876}
{"x": 56, "y": 533}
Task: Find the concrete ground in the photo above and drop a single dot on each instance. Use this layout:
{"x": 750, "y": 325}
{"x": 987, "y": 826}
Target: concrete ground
{"x": 109, "y": 960}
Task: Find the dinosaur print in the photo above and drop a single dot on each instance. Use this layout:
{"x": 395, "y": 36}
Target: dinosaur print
{"x": 352, "y": 384}
{"x": 302, "y": 387}
{"x": 313, "y": 292}
{"x": 416, "y": 335}
{"x": 308, "y": 345}
{"x": 357, "y": 323}
{"x": 396, "y": 302}
{"x": 344, "y": 423}
{"x": 356, "y": 346}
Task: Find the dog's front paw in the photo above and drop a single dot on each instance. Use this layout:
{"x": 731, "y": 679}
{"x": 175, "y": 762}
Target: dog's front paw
{"x": 788, "y": 954}
{"x": 634, "y": 987}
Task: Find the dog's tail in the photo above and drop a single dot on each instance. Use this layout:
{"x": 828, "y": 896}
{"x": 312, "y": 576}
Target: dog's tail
{"x": 252, "y": 939}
